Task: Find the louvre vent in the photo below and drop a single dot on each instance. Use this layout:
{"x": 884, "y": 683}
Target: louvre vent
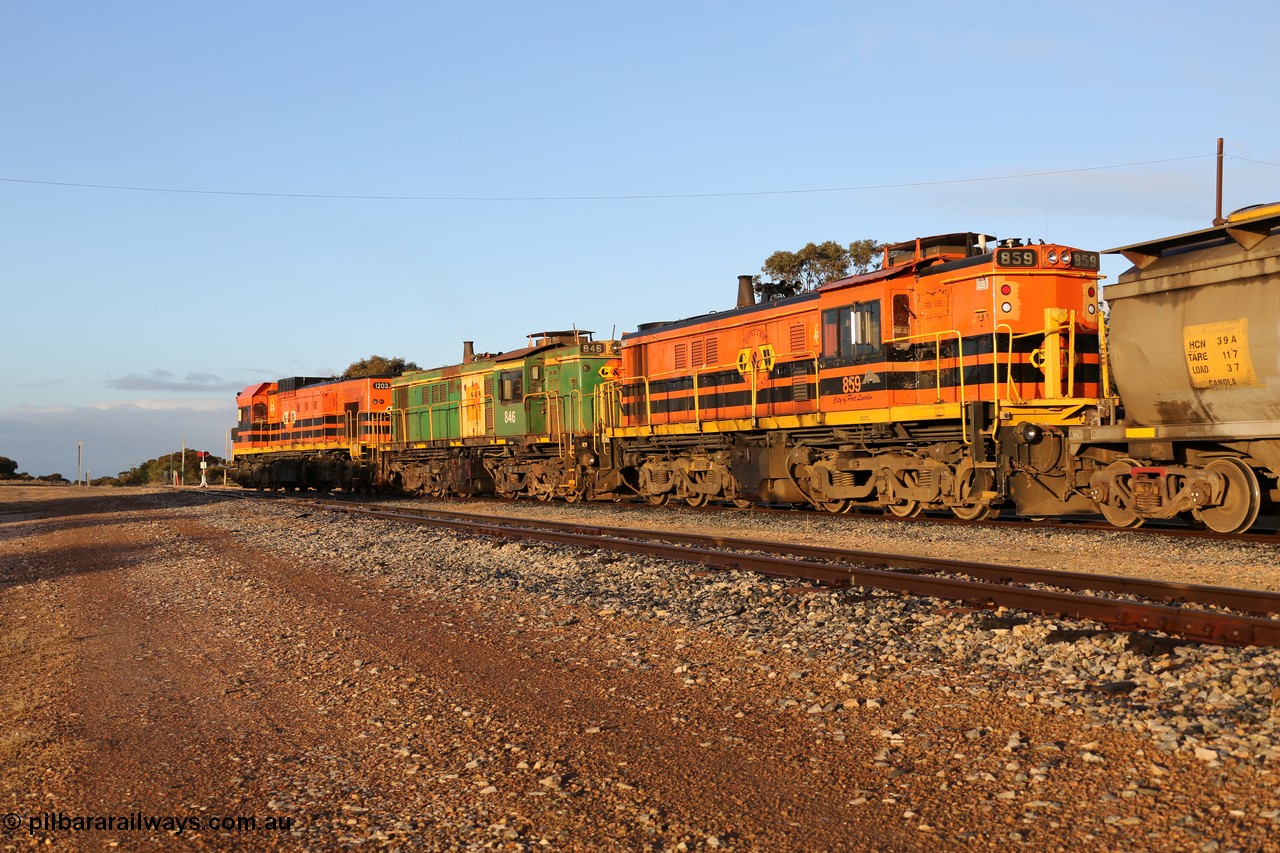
{"x": 797, "y": 339}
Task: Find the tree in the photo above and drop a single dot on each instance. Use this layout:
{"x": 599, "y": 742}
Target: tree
{"x": 7, "y": 468}
{"x": 789, "y": 273}
{"x": 160, "y": 469}
{"x": 377, "y": 365}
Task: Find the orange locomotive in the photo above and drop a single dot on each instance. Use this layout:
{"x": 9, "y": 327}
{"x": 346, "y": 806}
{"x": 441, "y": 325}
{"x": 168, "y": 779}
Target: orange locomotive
{"x": 303, "y": 432}
{"x": 945, "y": 379}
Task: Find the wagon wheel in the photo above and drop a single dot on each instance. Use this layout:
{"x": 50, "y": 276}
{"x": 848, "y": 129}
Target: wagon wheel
{"x": 1122, "y": 515}
{"x": 739, "y": 503}
{"x": 572, "y": 497}
{"x": 697, "y": 499}
{"x": 907, "y": 509}
{"x": 1241, "y": 499}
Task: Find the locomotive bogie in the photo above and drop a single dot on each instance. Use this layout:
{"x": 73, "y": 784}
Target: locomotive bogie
{"x": 319, "y": 472}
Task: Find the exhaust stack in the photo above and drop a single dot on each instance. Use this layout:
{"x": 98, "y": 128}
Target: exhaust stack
{"x": 746, "y": 291}
{"x": 468, "y": 352}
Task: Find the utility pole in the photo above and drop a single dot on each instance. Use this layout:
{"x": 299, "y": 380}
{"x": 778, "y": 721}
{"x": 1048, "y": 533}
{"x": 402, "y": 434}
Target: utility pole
{"x": 1217, "y": 216}
{"x": 182, "y": 478}
{"x": 79, "y": 458}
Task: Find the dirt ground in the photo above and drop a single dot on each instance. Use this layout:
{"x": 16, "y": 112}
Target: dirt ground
{"x": 163, "y": 680}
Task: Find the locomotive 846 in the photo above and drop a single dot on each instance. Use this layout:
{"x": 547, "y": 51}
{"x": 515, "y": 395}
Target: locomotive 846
{"x": 519, "y": 423}
{"x": 919, "y": 386}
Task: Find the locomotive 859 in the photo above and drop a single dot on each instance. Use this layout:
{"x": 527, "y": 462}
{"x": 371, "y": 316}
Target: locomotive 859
{"x": 964, "y": 375}
{"x": 914, "y": 387}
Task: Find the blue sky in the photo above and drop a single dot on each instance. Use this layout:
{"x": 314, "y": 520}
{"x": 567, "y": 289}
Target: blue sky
{"x": 322, "y": 181}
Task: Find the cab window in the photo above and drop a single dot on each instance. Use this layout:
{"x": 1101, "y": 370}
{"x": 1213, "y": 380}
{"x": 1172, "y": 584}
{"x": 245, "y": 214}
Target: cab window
{"x": 512, "y": 390}
{"x": 852, "y": 333}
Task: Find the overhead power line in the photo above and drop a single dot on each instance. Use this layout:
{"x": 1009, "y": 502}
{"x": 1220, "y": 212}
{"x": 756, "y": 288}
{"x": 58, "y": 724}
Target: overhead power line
{"x": 633, "y": 197}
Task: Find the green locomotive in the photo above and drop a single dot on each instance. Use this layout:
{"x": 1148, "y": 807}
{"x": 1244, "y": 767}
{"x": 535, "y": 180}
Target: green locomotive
{"x": 518, "y": 423}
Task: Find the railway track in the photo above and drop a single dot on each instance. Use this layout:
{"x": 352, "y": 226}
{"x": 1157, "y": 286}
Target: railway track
{"x": 1201, "y": 613}
{"x": 1266, "y": 531}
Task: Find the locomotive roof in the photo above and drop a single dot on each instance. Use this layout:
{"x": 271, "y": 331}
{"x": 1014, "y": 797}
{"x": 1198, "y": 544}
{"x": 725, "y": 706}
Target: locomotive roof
{"x": 512, "y": 355}
{"x": 934, "y": 252}
{"x": 663, "y": 326}
{"x": 255, "y": 389}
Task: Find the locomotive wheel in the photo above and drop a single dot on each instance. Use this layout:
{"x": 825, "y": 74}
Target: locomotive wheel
{"x": 658, "y": 500}
{"x": 572, "y": 497}
{"x": 739, "y": 503}
{"x": 969, "y": 509}
{"x": 1124, "y": 515}
{"x": 1240, "y": 502}
{"x": 971, "y": 512}
{"x": 697, "y": 499}
{"x": 836, "y": 506}
{"x": 909, "y": 509}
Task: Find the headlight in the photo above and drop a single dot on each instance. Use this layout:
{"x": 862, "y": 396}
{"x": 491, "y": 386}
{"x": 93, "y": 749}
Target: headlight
{"x": 1053, "y": 256}
{"x": 1066, "y": 259}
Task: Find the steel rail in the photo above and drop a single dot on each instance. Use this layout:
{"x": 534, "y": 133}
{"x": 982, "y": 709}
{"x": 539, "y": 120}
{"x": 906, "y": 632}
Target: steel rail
{"x": 858, "y": 568}
{"x": 1256, "y": 602}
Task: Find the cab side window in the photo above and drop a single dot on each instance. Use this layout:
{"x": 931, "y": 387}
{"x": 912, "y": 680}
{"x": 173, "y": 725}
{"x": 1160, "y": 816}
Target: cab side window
{"x": 512, "y": 390}
{"x": 852, "y": 334}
